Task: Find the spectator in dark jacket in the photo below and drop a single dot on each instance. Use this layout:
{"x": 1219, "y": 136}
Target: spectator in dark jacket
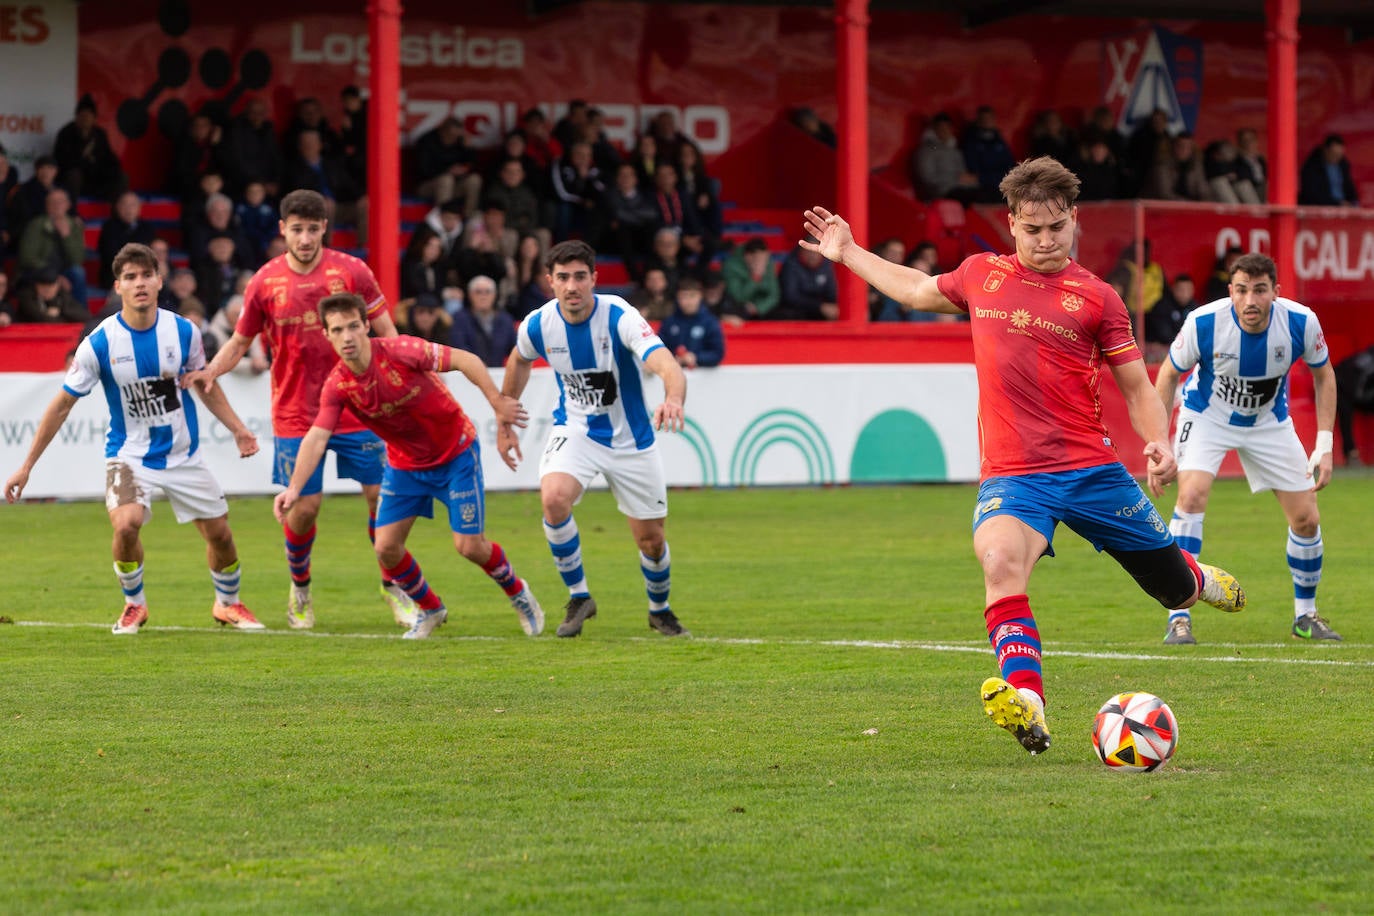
{"x": 121, "y": 228}
{"x": 692, "y": 333}
{"x": 1326, "y": 180}
{"x": 482, "y": 328}
{"x": 986, "y": 153}
{"x": 252, "y": 151}
{"x": 808, "y": 286}
{"x": 87, "y": 165}
{"x": 44, "y": 299}
{"x": 446, "y": 168}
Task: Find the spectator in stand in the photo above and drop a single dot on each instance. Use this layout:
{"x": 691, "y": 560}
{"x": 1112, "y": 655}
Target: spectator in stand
{"x": 810, "y": 123}
{"x": 808, "y": 289}
{"x": 646, "y": 160}
{"x": 696, "y": 185}
{"x": 218, "y": 273}
{"x": 667, "y": 255}
{"x": 424, "y": 317}
{"x": 1101, "y": 125}
{"x": 1219, "y": 282}
{"x": 628, "y": 220}
{"x": 604, "y": 153}
{"x": 529, "y": 261}
{"x": 353, "y": 134}
{"x": 1149, "y": 144}
{"x": 938, "y": 167}
{"x": 482, "y": 328}
{"x": 1098, "y": 172}
{"x": 715, "y": 297}
{"x": 493, "y": 219}
{"x": 30, "y": 198}
{"x": 882, "y": 307}
{"x": 1326, "y": 180}
{"x": 545, "y": 151}
{"x": 653, "y": 297}
{"x": 6, "y": 303}
{"x": 676, "y": 211}
{"x": 446, "y": 221}
{"x": 578, "y": 185}
{"x": 313, "y": 170}
{"x": 1140, "y": 294}
{"x": 1049, "y": 137}
{"x": 57, "y": 241}
{"x": 183, "y": 285}
{"x": 480, "y": 256}
{"x": 447, "y": 167}
{"x": 691, "y": 332}
{"x": 1251, "y": 165}
{"x": 532, "y": 295}
{"x": 750, "y": 279}
{"x": 252, "y": 153}
{"x": 119, "y": 229}
{"x": 193, "y": 311}
{"x": 257, "y": 220}
{"x": 198, "y": 151}
{"x": 669, "y": 140}
{"x": 1177, "y": 175}
{"x": 221, "y": 327}
{"x": 162, "y": 253}
{"x": 210, "y": 184}
{"x": 925, "y": 257}
{"x": 44, "y": 298}
{"x": 9, "y": 180}
{"x": 1221, "y": 164}
{"x": 310, "y": 116}
{"x": 568, "y": 130}
{"x": 424, "y": 270}
{"x": 517, "y": 198}
{"x": 513, "y": 146}
{"x": 87, "y": 165}
{"x": 216, "y": 218}
{"x": 987, "y": 154}
{"x": 1166, "y": 318}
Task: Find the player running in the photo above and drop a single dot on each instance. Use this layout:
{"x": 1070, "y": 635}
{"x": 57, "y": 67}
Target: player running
{"x": 1243, "y": 347}
{"x": 432, "y": 451}
{"x": 281, "y": 304}
{"x": 1042, "y": 325}
{"x": 153, "y": 442}
{"x": 602, "y": 425}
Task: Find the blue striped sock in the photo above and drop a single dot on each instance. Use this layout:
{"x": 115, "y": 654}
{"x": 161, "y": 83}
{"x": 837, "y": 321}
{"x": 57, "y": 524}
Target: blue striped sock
{"x": 566, "y": 547}
{"x": 1305, "y": 565}
{"x": 227, "y": 583}
{"x": 656, "y": 579}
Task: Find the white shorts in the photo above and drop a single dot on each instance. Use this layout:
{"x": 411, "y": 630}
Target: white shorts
{"x": 191, "y": 489}
{"x": 1272, "y": 456}
{"x": 635, "y": 476}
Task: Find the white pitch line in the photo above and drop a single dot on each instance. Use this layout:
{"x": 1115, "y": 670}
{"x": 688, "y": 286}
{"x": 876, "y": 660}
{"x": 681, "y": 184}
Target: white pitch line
{"x": 900, "y": 644}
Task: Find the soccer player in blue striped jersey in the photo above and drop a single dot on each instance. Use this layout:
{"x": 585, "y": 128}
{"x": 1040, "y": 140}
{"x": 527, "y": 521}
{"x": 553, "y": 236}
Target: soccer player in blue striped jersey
{"x": 1242, "y": 348}
{"x": 602, "y": 425}
{"x": 138, "y": 356}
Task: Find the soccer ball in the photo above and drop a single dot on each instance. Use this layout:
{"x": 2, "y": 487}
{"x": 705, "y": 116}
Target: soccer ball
{"x": 1135, "y": 732}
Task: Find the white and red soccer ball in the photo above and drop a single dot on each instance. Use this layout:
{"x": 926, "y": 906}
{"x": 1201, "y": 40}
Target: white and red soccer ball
{"x": 1136, "y": 732}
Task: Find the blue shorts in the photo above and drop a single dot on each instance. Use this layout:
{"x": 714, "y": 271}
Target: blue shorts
{"x": 358, "y": 456}
{"x": 1103, "y": 505}
{"x": 457, "y": 484}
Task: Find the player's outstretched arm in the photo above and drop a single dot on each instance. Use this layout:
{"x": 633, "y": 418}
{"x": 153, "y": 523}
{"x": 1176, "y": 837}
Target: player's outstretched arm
{"x": 831, "y": 236}
{"x": 308, "y": 458}
{"x": 227, "y": 358}
{"x": 1320, "y": 463}
{"x": 669, "y": 415}
{"x": 217, "y": 402}
{"x": 53, "y": 418}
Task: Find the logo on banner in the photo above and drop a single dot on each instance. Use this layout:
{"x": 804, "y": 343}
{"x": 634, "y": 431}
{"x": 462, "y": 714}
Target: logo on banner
{"x": 1148, "y": 69}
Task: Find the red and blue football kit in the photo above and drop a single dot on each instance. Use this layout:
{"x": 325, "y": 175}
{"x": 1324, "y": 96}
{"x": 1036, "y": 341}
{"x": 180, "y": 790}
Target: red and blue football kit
{"x": 282, "y": 305}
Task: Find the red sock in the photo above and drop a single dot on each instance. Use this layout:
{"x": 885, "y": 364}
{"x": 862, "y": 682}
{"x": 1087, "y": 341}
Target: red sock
{"x": 1015, "y": 639}
{"x": 500, "y": 571}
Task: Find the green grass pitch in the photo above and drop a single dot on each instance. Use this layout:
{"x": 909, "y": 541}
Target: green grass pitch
{"x": 817, "y": 747}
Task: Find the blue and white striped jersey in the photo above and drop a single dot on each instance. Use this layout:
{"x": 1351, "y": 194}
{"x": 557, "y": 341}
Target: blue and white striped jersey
{"x": 1242, "y": 378}
{"x": 600, "y": 391}
{"x": 152, "y": 420}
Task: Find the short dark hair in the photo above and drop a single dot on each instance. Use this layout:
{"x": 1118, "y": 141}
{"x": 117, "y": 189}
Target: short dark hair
{"x": 1256, "y": 265}
{"x": 1040, "y": 180}
{"x": 569, "y": 251}
{"x": 306, "y": 204}
{"x": 135, "y": 254}
{"x": 340, "y": 304}
{"x": 755, "y": 244}
{"x": 689, "y": 284}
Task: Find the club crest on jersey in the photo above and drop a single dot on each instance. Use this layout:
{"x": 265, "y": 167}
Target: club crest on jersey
{"x": 169, "y": 353}
{"x": 1072, "y": 302}
{"x": 337, "y": 285}
{"x": 281, "y": 296}
{"x": 1278, "y": 353}
{"x": 993, "y": 281}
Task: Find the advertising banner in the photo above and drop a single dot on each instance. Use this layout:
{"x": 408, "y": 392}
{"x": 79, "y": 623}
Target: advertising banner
{"x": 37, "y": 77}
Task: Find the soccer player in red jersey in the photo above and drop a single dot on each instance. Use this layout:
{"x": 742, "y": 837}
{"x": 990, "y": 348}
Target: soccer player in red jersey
{"x": 281, "y": 303}
{"x": 432, "y": 451}
{"x": 1042, "y": 328}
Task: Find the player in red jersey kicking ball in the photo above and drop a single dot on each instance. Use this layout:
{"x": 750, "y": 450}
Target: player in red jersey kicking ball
{"x": 432, "y": 452}
{"x": 280, "y": 303}
{"x": 1041, "y": 327}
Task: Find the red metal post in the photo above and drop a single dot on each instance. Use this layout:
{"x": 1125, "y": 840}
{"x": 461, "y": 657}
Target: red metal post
{"x": 1281, "y": 37}
{"x": 851, "y": 42}
{"x": 384, "y": 145}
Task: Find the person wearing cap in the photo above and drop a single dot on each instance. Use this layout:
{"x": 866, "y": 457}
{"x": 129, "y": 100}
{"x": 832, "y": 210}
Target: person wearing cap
{"x": 87, "y": 164}
{"x": 43, "y": 299}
